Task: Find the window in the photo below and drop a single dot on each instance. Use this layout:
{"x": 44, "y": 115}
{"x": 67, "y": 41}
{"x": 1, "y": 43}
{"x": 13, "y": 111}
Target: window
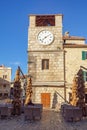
{"x": 4, "y": 85}
{"x": 0, "y": 94}
{"x": 45, "y": 64}
{"x": 5, "y": 95}
{"x": 46, "y": 23}
{"x": 4, "y": 76}
{"x": 84, "y": 55}
{"x": 85, "y": 75}
{"x": 45, "y": 20}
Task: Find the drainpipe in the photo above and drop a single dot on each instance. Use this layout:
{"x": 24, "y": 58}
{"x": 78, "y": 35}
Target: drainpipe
{"x": 64, "y": 76}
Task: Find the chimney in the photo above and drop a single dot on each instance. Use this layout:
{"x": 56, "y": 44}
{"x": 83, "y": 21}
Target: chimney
{"x": 66, "y": 34}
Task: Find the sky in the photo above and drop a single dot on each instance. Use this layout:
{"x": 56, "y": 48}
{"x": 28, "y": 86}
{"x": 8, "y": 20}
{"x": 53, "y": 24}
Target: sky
{"x": 14, "y": 24}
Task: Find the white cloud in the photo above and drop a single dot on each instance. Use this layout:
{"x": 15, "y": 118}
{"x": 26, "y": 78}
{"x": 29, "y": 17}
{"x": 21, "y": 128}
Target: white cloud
{"x": 15, "y": 63}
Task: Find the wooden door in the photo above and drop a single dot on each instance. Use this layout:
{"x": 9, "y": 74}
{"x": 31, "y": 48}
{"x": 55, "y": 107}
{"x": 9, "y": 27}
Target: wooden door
{"x": 45, "y": 99}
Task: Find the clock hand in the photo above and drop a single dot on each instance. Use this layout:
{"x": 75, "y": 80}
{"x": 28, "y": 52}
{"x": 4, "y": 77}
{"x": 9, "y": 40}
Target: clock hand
{"x": 46, "y": 37}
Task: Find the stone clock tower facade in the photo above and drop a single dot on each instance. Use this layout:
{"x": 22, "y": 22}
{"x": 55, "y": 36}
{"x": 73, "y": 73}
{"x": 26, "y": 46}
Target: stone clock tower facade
{"x": 46, "y": 59}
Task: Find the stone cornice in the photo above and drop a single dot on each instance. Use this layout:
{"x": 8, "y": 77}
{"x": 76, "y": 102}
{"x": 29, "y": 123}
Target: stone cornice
{"x": 74, "y": 46}
{"x": 60, "y": 50}
{"x": 45, "y": 84}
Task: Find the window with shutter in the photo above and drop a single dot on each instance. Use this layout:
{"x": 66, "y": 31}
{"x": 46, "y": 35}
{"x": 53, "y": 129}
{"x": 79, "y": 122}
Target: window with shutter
{"x": 84, "y": 55}
{"x": 85, "y": 75}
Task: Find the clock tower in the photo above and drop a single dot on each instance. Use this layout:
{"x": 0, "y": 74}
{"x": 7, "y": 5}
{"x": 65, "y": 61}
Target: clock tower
{"x": 46, "y": 58}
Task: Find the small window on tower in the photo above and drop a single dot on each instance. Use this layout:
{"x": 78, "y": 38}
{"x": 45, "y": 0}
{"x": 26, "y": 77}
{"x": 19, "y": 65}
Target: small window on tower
{"x": 45, "y": 64}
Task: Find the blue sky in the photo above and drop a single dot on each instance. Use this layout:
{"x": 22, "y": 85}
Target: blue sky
{"x": 14, "y": 25}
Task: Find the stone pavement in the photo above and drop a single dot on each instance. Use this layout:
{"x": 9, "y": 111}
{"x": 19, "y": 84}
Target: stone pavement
{"x": 51, "y": 120}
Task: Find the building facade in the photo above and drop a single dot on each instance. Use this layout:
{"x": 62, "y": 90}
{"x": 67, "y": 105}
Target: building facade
{"x": 5, "y": 80}
{"x": 52, "y": 61}
{"x": 75, "y": 58}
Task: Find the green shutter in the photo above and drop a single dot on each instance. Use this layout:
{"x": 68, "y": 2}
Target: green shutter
{"x": 84, "y": 75}
{"x": 83, "y": 55}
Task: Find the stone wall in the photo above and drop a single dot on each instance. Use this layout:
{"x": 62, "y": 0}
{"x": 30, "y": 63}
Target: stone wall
{"x": 54, "y": 98}
{"x": 77, "y": 42}
{"x": 56, "y": 66}
{"x": 34, "y": 45}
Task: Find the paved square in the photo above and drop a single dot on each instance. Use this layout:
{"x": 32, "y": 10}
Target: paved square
{"x": 51, "y": 120}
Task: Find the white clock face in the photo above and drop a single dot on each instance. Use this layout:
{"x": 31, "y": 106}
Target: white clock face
{"x": 45, "y": 37}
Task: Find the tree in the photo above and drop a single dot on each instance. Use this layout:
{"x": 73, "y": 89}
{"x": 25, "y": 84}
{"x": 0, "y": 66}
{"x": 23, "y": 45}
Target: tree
{"x": 28, "y": 100}
{"x": 78, "y": 91}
